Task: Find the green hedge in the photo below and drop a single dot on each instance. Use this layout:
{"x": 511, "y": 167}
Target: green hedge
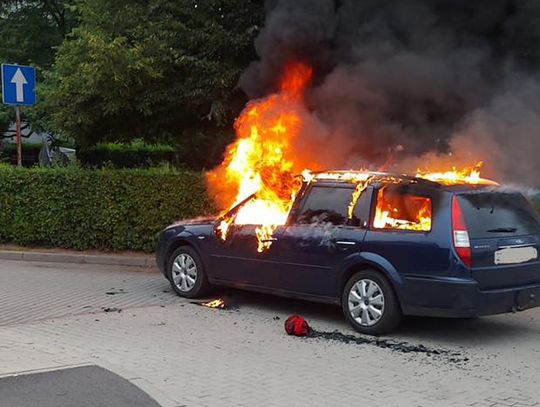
{"x": 136, "y": 154}
{"x": 96, "y": 209}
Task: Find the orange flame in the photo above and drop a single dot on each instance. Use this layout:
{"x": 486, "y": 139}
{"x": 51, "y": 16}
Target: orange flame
{"x": 260, "y": 161}
{"x": 405, "y": 212}
{"x": 467, "y": 175}
{"x": 219, "y": 303}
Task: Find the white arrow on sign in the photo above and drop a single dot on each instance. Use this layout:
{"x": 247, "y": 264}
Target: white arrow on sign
{"x": 19, "y": 80}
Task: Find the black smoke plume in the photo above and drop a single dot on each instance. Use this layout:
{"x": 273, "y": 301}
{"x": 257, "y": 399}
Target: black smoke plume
{"x": 403, "y": 84}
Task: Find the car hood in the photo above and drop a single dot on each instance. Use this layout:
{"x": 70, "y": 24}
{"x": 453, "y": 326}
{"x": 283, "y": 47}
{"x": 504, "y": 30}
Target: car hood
{"x": 208, "y": 220}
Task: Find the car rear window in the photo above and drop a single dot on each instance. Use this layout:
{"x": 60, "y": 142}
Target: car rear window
{"x": 498, "y": 214}
{"x": 326, "y": 205}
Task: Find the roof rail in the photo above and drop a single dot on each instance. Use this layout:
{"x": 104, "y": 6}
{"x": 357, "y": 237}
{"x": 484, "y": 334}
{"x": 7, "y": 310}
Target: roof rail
{"x": 343, "y": 175}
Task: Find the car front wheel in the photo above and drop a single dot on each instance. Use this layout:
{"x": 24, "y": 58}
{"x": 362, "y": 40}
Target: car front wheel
{"x": 186, "y": 273}
{"x": 370, "y": 304}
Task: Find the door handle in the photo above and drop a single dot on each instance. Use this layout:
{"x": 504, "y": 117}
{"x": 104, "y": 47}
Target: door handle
{"x": 271, "y": 239}
{"x": 345, "y": 243}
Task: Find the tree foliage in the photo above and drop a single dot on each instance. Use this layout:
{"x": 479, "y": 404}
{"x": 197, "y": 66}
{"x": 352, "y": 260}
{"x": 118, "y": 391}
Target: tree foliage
{"x": 118, "y": 70}
{"x": 153, "y": 69}
{"x": 30, "y": 31}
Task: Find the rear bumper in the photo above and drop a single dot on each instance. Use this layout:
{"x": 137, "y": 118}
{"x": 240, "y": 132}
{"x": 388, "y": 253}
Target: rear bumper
{"x": 450, "y": 297}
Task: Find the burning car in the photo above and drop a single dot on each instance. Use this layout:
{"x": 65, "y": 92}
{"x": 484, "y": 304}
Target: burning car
{"x": 380, "y": 245}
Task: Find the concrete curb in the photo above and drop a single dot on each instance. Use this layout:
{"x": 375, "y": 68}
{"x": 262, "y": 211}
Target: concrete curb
{"x": 105, "y": 259}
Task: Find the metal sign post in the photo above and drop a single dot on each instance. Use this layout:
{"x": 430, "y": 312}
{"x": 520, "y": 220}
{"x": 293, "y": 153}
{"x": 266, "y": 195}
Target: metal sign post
{"x": 18, "y": 89}
{"x": 19, "y": 140}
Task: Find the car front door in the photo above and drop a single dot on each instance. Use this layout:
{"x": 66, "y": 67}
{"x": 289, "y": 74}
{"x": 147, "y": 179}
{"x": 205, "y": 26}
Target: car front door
{"x": 236, "y": 259}
{"x": 318, "y": 238}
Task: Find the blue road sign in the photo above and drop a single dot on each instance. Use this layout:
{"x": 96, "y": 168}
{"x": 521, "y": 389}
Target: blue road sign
{"x": 18, "y": 85}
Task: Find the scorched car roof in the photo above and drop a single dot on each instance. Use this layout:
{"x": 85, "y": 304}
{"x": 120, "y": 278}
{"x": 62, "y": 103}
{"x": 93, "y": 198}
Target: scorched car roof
{"x": 340, "y": 176}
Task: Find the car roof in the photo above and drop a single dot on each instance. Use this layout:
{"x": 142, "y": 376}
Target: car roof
{"x": 375, "y": 177}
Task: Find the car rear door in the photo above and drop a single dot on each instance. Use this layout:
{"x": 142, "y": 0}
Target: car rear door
{"x": 317, "y": 239}
{"x": 408, "y": 230}
{"x": 504, "y": 233}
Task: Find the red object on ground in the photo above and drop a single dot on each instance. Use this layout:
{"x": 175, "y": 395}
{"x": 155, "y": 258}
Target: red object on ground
{"x": 296, "y": 325}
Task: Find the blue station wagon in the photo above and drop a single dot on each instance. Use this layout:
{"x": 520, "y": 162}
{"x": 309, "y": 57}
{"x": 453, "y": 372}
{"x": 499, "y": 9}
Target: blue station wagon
{"x": 407, "y": 246}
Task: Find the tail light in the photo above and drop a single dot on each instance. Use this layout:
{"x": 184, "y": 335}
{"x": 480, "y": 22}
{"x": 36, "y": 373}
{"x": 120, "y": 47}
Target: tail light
{"x": 462, "y": 244}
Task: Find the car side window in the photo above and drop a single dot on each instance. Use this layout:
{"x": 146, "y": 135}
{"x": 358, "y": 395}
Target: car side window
{"x": 398, "y": 209}
{"x": 325, "y": 205}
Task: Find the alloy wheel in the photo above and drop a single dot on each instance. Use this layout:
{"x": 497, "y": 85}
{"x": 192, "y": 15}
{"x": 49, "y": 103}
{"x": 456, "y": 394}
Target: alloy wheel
{"x": 184, "y": 272}
{"x": 366, "y": 302}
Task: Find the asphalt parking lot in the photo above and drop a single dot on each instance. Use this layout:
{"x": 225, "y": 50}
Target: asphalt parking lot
{"x": 128, "y": 321}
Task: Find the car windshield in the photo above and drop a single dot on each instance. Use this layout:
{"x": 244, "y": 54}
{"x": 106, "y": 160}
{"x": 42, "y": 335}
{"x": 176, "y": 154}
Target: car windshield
{"x": 497, "y": 214}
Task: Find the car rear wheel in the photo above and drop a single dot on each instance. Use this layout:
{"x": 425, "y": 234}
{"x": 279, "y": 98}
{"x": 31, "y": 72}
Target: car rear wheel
{"x": 186, "y": 273}
{"x": 370, "y": 304}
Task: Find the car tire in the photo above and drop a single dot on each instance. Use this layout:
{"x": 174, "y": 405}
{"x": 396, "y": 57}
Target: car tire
{"x": 370, "y": 303}
{"x": 186, "y": 273}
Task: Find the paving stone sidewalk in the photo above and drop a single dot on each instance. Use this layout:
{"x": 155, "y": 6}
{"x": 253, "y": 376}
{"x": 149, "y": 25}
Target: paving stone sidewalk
{"x": 186, "y": 355}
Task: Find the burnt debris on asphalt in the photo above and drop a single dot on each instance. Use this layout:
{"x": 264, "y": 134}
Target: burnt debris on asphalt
{"x": 111, "y": 309}
{"x": 403, "y": 347}
{"x": 114, "y": 291}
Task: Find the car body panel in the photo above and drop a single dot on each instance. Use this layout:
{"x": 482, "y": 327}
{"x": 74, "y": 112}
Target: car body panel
{"x": 311, "y": 256}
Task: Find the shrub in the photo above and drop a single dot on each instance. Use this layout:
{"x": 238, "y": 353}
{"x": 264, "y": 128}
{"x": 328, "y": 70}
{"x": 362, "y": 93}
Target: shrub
{"x": 127, "y": 155}
{"x": 102, "y": 209}
{"x": 30, "y": 153}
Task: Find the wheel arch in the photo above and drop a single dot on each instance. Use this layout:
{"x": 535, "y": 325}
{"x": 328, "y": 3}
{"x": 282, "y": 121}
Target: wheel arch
{"x": 371, "y": 261}
{"x": 177, "y": 243}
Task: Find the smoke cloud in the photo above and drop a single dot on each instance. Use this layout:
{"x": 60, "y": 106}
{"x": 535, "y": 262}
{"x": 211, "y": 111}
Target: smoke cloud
{"x": 406, "y": 84}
